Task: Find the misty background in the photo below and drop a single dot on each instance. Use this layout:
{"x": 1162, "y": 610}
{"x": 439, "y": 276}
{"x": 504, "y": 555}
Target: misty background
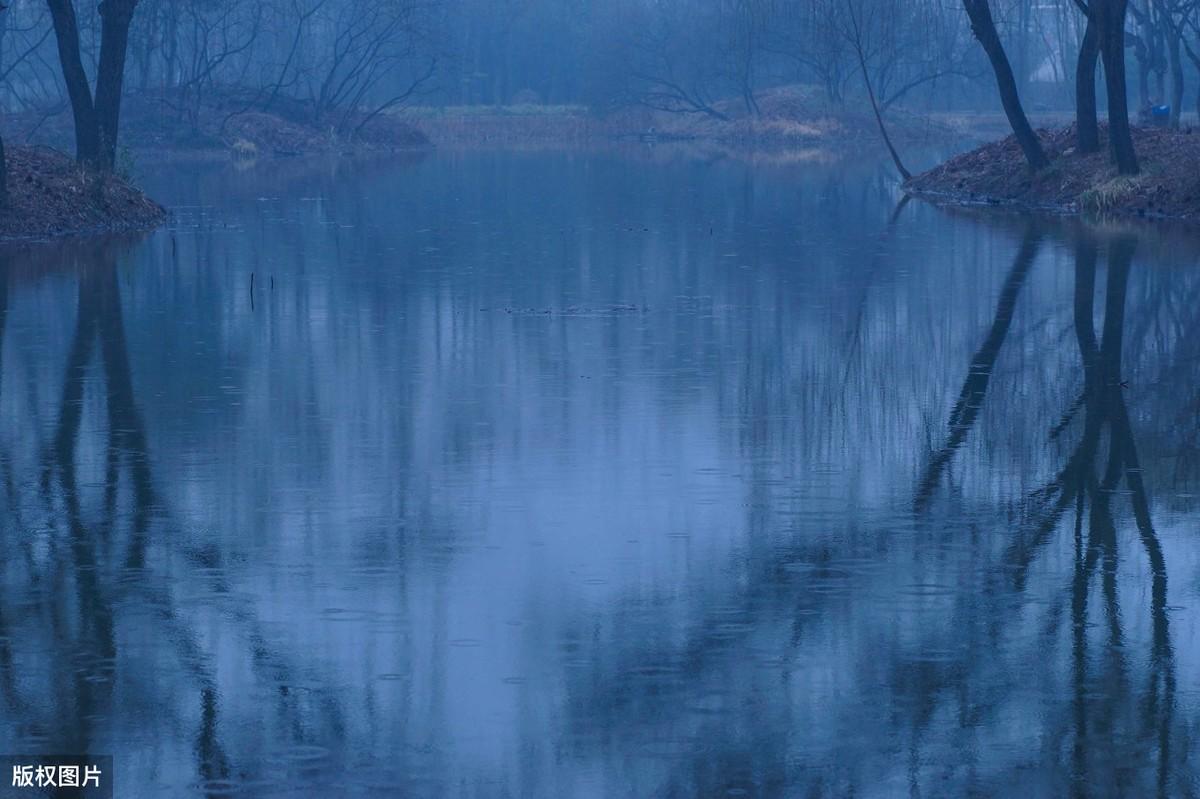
{"x": 320, "y": 58}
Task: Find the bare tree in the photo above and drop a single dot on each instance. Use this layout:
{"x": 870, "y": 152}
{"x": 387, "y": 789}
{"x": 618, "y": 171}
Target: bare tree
{"x": 861, "y": 22}
{"x": 669, "y": 66}
{"x": 25, "y": 77}
{"x": 96, "y": 117}
{"x": 219, "y": 33}
{"x": 1110, "y": 17}
{"x": 984, "y": 28}
{"x": 1087, "y": 128}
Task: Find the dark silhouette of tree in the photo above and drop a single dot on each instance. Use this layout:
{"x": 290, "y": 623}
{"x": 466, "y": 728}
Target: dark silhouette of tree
{"x": 979, "y": 372}
{"x": 984, "y": 29}
{"x": 1110, "y": 18}
{"x": 97, "y": 116}
{"x": 1087, "y": 128}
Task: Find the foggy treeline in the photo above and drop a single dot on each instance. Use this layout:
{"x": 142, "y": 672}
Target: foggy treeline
{"x": 681, "y": 55}
{"x": 339, "y": 64}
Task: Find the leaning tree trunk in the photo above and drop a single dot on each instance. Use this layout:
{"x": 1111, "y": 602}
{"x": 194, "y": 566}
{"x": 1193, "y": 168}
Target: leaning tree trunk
{"x": 1087, "y": 129}
{"x": 1111, "y": 15}
{"x": 984, "y": 29}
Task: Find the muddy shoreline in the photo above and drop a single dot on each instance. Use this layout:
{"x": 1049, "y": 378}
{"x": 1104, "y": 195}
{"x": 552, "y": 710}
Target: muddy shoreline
{"x": 951, "y": 199}
{"x": 1074, "y": 184}
{"x": 51, "y": 197}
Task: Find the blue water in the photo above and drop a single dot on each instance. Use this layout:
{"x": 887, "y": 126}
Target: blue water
{"x": 601, "y": 475}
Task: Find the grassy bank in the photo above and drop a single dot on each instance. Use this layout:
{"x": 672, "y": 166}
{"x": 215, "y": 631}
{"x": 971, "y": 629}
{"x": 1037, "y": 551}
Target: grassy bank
{"x": 1075, "y": 183}
{"x": 49, "y": 195}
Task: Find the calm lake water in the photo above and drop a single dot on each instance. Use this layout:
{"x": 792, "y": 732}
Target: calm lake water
{"x": 546, "y": 475}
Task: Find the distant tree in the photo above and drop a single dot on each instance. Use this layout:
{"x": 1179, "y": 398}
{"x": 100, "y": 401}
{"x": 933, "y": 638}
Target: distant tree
{"x": 343, "y": 63}
{"x": 1149, "y": 52}
{"x": 220, "y": 31}
{"x": 984, "y": 28}
{"x": 745, "y": 25}
{"x": 1171, "y": 18}
{"x": 97, "y": 116}
{"x": 1192, "y": 54}
{"x": 808, "y": 34}
{"x": 25, "y": 78}
{"x": 670, "y": 64}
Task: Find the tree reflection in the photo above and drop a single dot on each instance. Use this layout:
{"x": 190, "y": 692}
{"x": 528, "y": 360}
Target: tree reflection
{"x": 1082, "y": 483}
{"x": 848, "y": 701}
{"x": 979, "y": 372}
{"x": 105, "y": 557}
{"x": 784, "y": 622}
{"x": 1105, "y": 407}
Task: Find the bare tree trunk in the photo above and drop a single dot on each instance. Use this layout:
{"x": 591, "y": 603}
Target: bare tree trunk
{"x": 984, "y": 29}
{"x": 96, "y": 119}
{"x": 856, "y": 41}
{"x": 115, "y": 18}
{"x": 66, "y": 32}
{"x": 1087, "y": 129}
{"x": 1111, "y": 16}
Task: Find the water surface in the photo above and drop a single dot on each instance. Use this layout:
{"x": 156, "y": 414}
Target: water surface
{"x": 550, "y": 475}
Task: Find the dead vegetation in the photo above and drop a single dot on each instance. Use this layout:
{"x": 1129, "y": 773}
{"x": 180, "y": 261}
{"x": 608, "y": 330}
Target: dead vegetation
{"x": 51, "y": 195}
{"x": 788, "y": 118}
{"x": 996, "y": 174}
{"x": 228, "y": 122}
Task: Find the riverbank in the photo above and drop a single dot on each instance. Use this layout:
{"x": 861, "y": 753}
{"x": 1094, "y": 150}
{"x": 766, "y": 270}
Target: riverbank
{"x": 788, "y": 118}
{"x": 1074, "y": 183}
{"x": 232, "y": 124}
{"x": 49, "y": 195}
{"x": 786, "y": 122}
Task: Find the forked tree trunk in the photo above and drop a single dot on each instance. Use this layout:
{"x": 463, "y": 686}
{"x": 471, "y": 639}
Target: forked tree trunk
{"x": 984, "y": 29}
{"x": 1087, "y": 129}
{"x": 66, "y": 34}
{"x": 96, "y": 118}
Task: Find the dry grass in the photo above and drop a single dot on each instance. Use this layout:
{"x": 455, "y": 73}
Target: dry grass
{"x": 789, "y": 118}
{"x": 156, "y": 122}
{"x": 1110, "y": 195}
